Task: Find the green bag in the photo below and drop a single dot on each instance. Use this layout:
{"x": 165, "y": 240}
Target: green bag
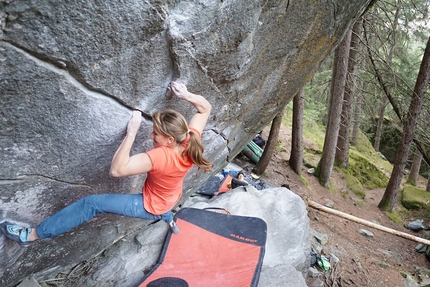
{"x": 323, "y": 262}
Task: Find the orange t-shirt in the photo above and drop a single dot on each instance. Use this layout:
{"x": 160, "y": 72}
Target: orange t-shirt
{"x": 163, "y": 185}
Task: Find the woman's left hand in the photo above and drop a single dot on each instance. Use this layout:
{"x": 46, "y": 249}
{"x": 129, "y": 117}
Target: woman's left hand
{"x": 134, "y": 123}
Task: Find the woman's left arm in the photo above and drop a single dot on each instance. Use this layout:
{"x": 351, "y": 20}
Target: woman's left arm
{"x": 199, "y": 119}
{"x": 122, "y": 163}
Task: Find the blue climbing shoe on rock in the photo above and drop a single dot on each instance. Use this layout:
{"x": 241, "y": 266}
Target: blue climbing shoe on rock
{"x": 174, "y": 227}
{"x": 16, "y": 233}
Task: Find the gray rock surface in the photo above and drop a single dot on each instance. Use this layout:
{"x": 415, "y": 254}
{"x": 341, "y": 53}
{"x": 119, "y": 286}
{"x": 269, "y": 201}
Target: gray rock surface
{"x": 72, "y": 70}
{"x": 365, "y": 232}
{"x": 421, "y": 248}
{"x": 321, "y": 238}
{"x": 313, "y": 272}
{"x": 318, "y": 283}
{"x": 281, "y": 275}
{"x": 329, "y": 203}
{"x": 416, "y": 225}
{"x": 410, "y": 282}
{"x": 29, "y": 282}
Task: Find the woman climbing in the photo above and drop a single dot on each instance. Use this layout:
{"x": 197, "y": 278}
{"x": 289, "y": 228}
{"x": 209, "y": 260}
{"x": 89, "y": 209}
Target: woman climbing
{"x": 177, "y": 147}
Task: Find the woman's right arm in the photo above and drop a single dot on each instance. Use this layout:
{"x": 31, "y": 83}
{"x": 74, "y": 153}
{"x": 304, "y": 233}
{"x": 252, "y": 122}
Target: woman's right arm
{"x": 122, "y": 163}
{"x": 198, "y": 121}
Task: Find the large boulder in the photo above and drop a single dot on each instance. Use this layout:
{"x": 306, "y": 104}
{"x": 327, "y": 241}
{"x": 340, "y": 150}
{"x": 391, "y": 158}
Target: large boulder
{"x": 71, "y": 71}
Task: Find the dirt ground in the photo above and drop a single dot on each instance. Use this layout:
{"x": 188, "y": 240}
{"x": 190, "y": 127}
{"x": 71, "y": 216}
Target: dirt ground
{"x": 363, "y": 261}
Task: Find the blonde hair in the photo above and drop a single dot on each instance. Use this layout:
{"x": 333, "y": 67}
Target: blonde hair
{"x": 171, "y": 123}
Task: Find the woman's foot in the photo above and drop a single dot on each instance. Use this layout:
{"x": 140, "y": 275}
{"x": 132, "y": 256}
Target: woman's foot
{"x": 174, "y": 227}
{"x": 17, "y": 233}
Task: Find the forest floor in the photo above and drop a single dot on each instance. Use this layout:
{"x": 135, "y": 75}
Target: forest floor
{"x": 363, "y": 261}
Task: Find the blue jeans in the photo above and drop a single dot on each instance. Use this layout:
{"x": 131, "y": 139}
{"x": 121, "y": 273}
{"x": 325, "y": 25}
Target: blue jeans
{"x": 81, "y": 211}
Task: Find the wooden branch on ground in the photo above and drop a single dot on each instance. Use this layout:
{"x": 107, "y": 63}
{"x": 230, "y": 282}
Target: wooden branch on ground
{"x": 367, "y": 223}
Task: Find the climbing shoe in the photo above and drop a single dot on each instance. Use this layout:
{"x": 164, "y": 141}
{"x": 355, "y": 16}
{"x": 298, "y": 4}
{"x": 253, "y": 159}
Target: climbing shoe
{"x": 174, "y": 227}
{"x": 16, "y": 233}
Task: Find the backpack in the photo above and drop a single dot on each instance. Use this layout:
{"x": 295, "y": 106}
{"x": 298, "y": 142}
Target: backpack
{"x": 321, "y": 261}
{"x": 259, "y": 141}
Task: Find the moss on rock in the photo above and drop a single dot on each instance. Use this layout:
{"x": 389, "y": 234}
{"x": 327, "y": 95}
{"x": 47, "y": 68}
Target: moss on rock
{"x": 414, "y": 198}
{"x": 363, "y": 169}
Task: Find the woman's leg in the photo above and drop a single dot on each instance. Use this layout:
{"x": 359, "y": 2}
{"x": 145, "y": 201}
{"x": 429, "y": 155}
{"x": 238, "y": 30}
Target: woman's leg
{"x": 81, "y": 211}
{"x": 167, "y": 217}
{"x": 88, "y": 207}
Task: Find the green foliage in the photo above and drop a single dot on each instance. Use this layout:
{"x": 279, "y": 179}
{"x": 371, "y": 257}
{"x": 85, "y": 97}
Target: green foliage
{"x": 314, "y": 132}
{"x": 319, "y": 88}
{"x": 315, "y": 111}
{"x": 287, "y": 117}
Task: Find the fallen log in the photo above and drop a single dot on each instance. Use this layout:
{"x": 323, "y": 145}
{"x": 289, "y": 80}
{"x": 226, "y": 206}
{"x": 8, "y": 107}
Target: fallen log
{"x": 365, "y": 222}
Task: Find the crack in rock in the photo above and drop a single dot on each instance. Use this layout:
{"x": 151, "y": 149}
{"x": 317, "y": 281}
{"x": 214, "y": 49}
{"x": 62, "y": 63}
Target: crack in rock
{"x": 61, "y": 68}
{"x": 23, "y": 177}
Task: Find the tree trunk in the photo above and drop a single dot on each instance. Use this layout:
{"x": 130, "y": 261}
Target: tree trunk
{"x": 357, "y": 114}
{"x": 415, "y": 168}
{"x": 296, "y": 156}
{"x": 342, "y": 152}
{"x": 390, "y": 196}
{"x": 325, "y": 165}
{"x": 380, "y": 123}
{"x": 428, "y": 184}
{"x": 269, "y": 149}
{"x": 356, "y": 121}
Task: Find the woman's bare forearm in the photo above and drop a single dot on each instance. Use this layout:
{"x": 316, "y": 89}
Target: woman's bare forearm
{"x": 121, "y": 158}
{"x": 199, "y": 102}
{"x": 198, "y": 121}
{"x": 122, "y": 155}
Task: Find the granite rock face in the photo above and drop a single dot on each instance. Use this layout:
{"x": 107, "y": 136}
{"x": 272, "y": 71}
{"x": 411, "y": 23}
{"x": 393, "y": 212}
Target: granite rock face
{"x": 71, "y": 71}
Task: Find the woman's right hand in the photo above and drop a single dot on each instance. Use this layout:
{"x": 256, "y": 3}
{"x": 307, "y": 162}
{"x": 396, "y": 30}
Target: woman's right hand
{"x": 134, "y": 123}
